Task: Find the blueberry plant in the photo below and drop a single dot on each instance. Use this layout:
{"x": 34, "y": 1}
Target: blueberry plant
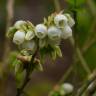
{"x": 42, "y": 39}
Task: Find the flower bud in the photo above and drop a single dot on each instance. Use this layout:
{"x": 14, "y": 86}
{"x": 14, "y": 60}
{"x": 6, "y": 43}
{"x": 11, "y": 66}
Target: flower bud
{"x": 60, "y": 20}
{"x": 71, "y": 21}
{"x": 30, "y": 45}
{"x": 66, "y": 88}
{"x": 67, "y": 32}
{"x": 54, "y": 33}
{"x": 19, "y": 37}
{"x": 41, "y": 31}
{"x": 29, "y": 35}
{"x": 19, "y": 23}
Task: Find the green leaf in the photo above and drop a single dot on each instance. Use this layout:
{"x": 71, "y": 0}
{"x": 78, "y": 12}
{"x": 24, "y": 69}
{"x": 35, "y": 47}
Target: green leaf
{"x": 11, "y": 32}
{"x": 39, "y": 67}
{"x": 58, "y": 51}
{"x": 17, "y": 66}
{"x": 45, "y": 21}
{"x": 20, "y": 76}
{"x": 30, "y": 26}
{"x": 46, "y": 51}
{"x": 12, "y": 56}
{"x": 53, "y": 55}
{"x": 12, "y": 59}
{"x": 50, "y": 20}
{"x": 42, "y": 58}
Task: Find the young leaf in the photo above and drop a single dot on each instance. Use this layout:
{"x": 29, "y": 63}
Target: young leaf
{"x": 20, "y": 76}
{"x": 45, "y": 21}
{"x": 39, "y": 67}
{"x": 58, "y": 51}
{"x": 11, "y": 32}
{"x": 53, "y": 55}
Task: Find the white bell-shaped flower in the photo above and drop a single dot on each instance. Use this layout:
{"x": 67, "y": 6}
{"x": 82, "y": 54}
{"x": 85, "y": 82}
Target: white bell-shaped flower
{"x": 30, "y": 45}
{"x": 66, "y": 32}
{"x": 60, "y": 20}
{"x": 54, "y": 33}
{"x": 19, "y": 23}
{"x": 66, "y": 88}
{"x": 19, "y": 37}
{"x": 71, "y": 21}
{"x": 29, "y": 35}
{"x": 41, "y": 31}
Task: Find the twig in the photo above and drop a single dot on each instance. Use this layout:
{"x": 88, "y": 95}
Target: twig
{"x": 20, "y": 90}
{"x": 91, "y": 88}
{"x": 29, "y": 68}
{"x": 92, "y": 7}
{"x": 91, "y": 79}
{"x": 27, "y": 78}
{"x": 67, "y": 73}
{"x": 81, "y": 59}
{"x": 92, "y": 36}
{"x": 87, "y": 45}
{"x": 65, "y": 76}
{"x": 9, "y": 8}
{"x": 78, "y": 52}
{"x": 57, "y": 5}
{"x": 94, "y": 94}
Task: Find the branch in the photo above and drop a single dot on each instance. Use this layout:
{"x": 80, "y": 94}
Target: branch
{"x": 81, "y": 58}
{"x": 27, "y": 78}
{"x": 78, "y": 52}
{"x": 91, "y": 88}
{"x": 9, "y": 18}
{"x": 91, "y": 79}
{"x": 88, "y": 45}
{"x": 67, "y": 73}
{"x": 92, "y": 7}
{"x": 65, "y": 76}
{"x": 57, "y": 5}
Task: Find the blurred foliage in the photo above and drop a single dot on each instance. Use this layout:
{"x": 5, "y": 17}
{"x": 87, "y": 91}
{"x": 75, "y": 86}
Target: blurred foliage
{"x": 40, "y": 89}
{"x": 78, "y": 3}
{"x": 85, "y": 22}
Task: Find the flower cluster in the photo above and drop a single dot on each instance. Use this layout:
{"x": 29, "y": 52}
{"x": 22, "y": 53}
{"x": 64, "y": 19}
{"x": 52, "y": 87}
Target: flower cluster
{"x": 46, "y": 36}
